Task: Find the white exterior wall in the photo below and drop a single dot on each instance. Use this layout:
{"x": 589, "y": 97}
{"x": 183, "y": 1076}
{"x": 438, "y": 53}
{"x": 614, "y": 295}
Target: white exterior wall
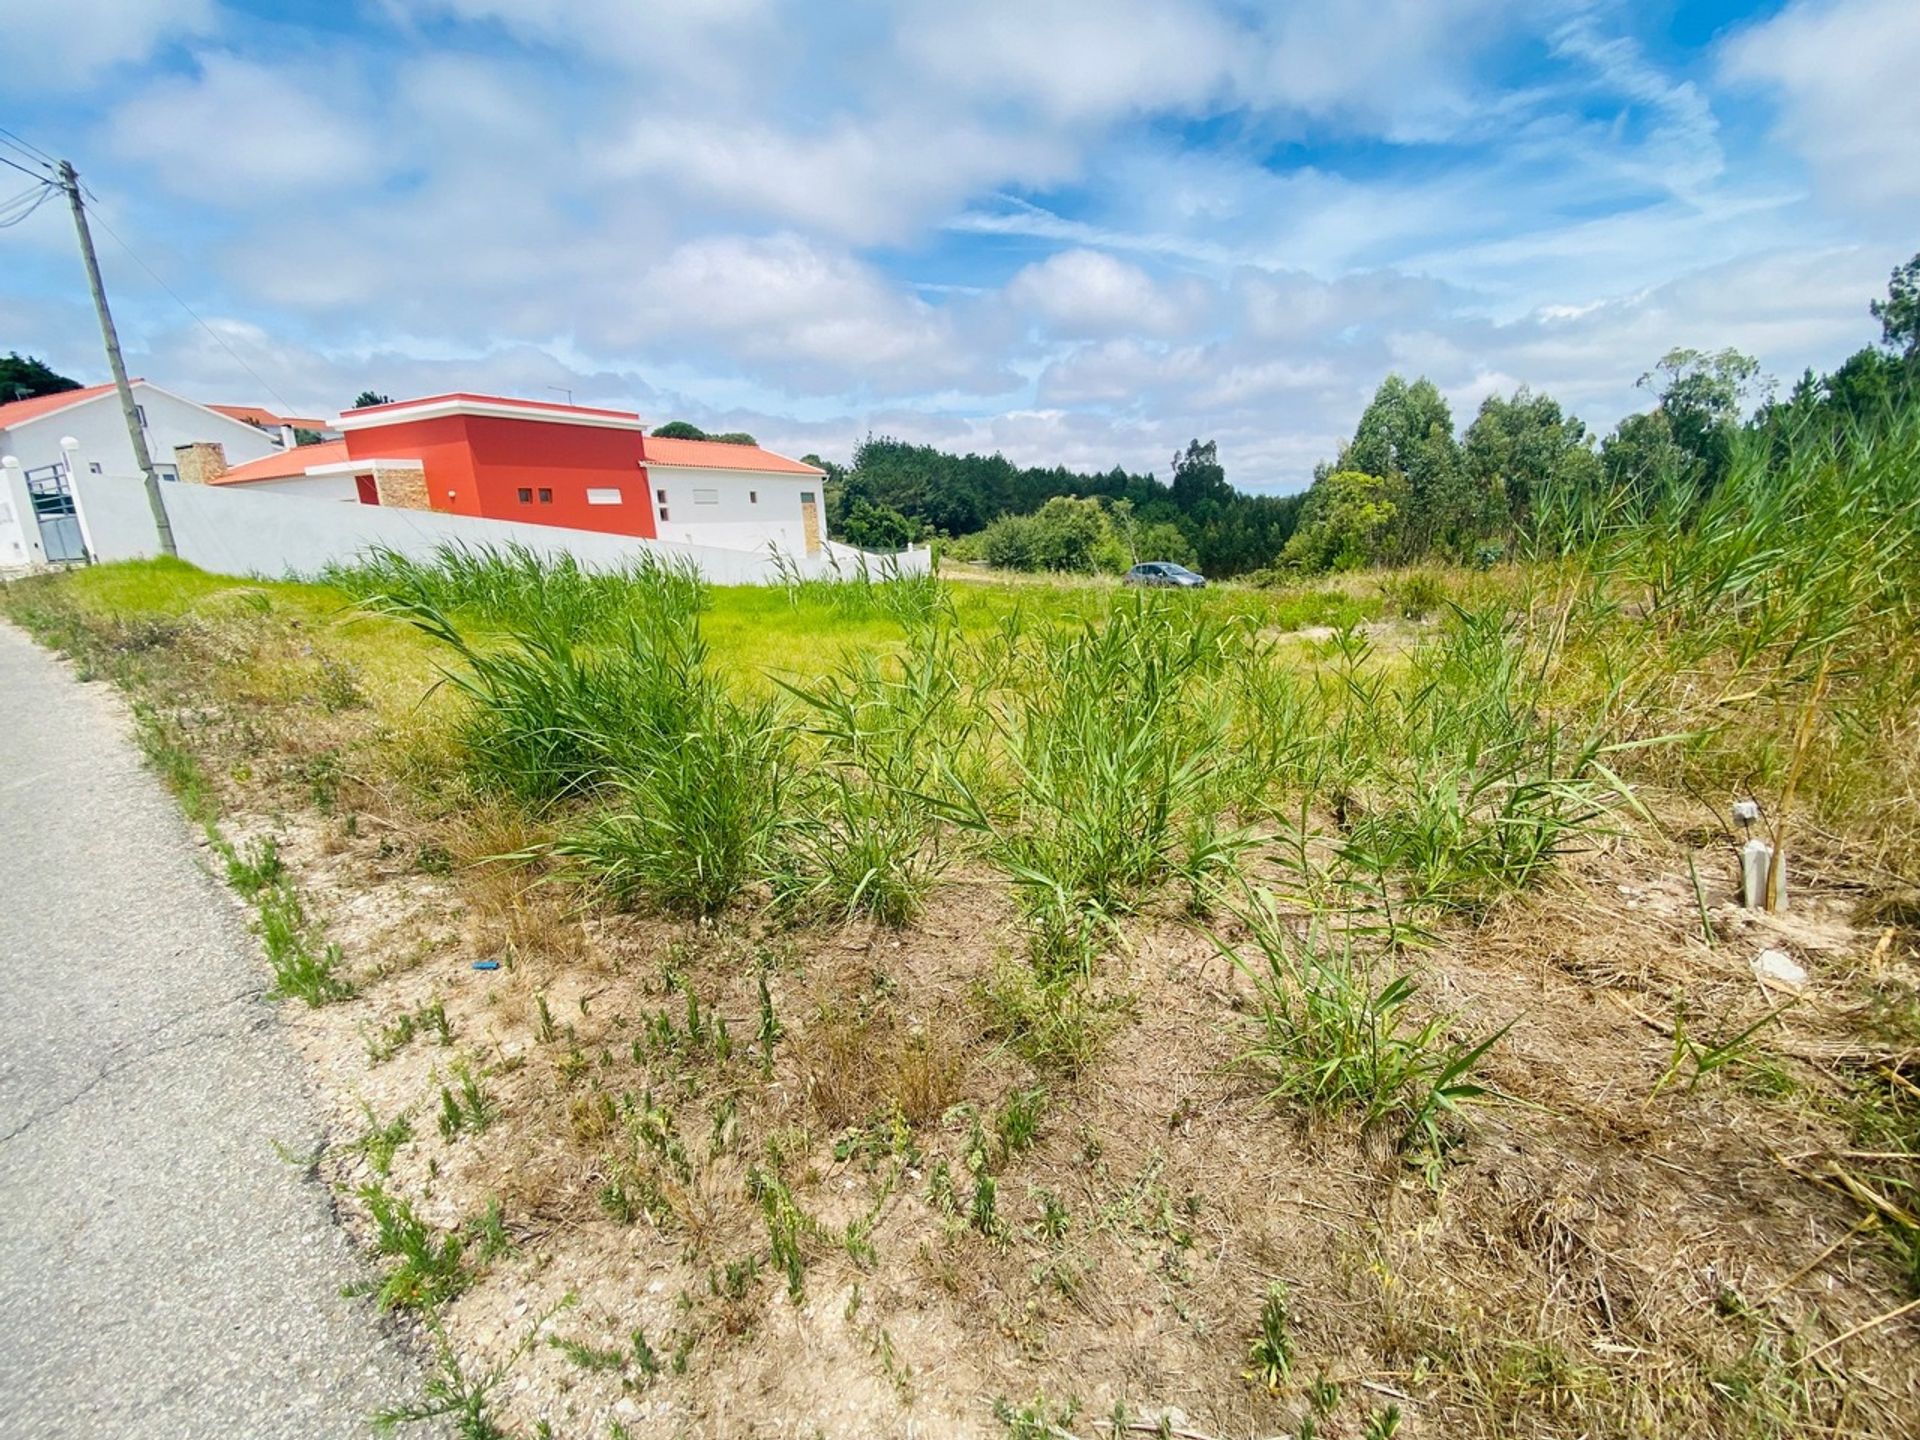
{"x": 312, "y": 487}
{"x": 231, "y": 532}
{"x": 733, "y": 519}
{"x": 102, "y": 432}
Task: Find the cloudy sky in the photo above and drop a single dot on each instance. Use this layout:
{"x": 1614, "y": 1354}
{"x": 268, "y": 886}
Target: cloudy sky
{"x": 1076, "y": 231}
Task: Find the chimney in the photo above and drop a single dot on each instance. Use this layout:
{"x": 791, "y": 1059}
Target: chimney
{"x": 201, "y": 463}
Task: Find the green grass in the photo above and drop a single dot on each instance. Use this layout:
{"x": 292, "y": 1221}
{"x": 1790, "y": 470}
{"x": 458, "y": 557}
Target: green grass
{"x": 1333, "y": 1036}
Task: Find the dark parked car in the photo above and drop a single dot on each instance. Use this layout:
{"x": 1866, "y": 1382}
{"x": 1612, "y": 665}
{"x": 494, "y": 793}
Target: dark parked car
{"x": 1163, "y": 572}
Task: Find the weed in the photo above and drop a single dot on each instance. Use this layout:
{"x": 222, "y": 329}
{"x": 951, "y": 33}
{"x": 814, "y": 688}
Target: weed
{"x": 981, "y": 1213}
{"x": 165, "y": 747}
{"x": 1038, "y": 1419}
{"x": 1055, "y": 1222}
{"x": 379, "y": 1143}
{"x": 428, "y": 1268}
{"x": 1054, "y": 1024}
{"x": 788, "y": 1227}
{"x": 591, "y": 1358}
{"x": 400, "y": 1031}
{"x": 1702, "y": 1059}
{"x": 864, "y": 841}
{"x": 465, "y": 1105}
{"x": 1272, "y": 1349}
{"x": 1330, "y": 1040}
{"x": 257, "y": 868}
{"x": 1018, "y": 1121}
{"x": 453, "y": 1394}
{"x": 304, "y": 966}
{"x": 643, "y": 1353}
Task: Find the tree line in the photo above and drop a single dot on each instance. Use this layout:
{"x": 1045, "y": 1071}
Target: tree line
{"x": 1403, "y": 489}
{"x": 1053, "y": 518}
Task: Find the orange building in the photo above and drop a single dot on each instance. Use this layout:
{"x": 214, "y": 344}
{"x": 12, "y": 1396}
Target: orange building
{"x": 528, "y": 460}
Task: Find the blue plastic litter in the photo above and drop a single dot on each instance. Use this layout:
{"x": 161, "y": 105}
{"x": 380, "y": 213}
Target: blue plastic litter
{"x": 486, "y": 964}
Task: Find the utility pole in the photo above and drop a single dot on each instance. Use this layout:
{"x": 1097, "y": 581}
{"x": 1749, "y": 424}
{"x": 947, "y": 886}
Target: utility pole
{"x": 70, "y": 182}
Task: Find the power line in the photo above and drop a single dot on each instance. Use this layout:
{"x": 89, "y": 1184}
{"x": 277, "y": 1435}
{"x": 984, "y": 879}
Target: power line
{"x": 27, "y": 145}
{"x": 215, "y": 335}
{"x": 21, "y": 168}
{"x": 24, "y": 204}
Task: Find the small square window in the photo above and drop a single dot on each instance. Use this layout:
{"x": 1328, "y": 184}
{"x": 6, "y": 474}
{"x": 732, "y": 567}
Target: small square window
{"x": 753, "y": 497}
{"x": 806, "y": 497}
{"x": 661, "y": 496}
{"x": 663, "y": 512}
{"x": 140, "y": 414}
{"x": 526, "y": 496}
{"x": 546, "y": 496}
{"x": 94, "y": 466}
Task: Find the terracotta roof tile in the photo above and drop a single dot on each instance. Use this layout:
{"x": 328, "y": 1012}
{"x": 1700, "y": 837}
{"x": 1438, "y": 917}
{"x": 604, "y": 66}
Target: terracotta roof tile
{"x": 719, "y": 455}
{"x": 286, "y": 464}
{"x": 20, "y": 411}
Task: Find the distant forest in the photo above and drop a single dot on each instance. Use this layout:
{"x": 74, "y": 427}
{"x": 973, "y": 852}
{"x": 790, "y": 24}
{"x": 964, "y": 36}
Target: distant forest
{"x": 895, "y": 492}
{"x": 1403, "y": 489}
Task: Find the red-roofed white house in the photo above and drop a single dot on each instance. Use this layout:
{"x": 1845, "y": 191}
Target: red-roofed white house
{"x": 37, "y": 523}
{"x": 550, "y": 464}
{"x": 33, "y": 429}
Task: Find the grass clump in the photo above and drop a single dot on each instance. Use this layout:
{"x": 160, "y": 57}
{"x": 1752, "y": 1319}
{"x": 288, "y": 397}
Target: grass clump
{"x": 428, "y": 1267}
{"x": 1333, "y": 1039}
{"x": 511, "y": 587}
{"x": 1272, "y": 1348}
{"x": 305, "y": 965}
{"x": 1109, "y": 748}
{"x": 863, "y": 837}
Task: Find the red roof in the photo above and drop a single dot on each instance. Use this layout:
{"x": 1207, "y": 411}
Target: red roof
{"x": 21, "y": 411}
{"x": 286, "y": 464}
{"x": 266, "y": 419}
{"x": 720, "y": 455}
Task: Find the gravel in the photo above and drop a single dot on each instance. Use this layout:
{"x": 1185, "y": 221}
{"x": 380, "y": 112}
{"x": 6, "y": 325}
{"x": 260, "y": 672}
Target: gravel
{"x": 163, "y": 1270}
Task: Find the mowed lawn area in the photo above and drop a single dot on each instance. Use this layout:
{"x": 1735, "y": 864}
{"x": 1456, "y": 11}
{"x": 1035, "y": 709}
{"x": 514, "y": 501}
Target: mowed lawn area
{"x": 1030, "y": 1009}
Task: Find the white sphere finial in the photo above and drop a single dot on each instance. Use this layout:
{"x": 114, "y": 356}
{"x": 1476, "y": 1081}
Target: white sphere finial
{"x": 67, "y": 442}
{"x": 11, "y": 462}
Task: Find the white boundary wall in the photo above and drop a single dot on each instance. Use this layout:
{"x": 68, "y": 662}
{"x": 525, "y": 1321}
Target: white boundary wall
{"x": 279, "y": 536}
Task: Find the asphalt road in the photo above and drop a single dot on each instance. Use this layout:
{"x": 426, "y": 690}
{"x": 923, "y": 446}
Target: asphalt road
{"x": 162, "y": 1272}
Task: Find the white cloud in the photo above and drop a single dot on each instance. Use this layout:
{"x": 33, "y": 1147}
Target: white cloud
{"x": 240, "y": 133}
{"x": 817, "y": 317}
{"x": 1079, "y": 293}
{"x": 867, "y": 182}
{"x": 58, "y": 42}
{"x": 1074, "y": 60}
{"x": 1845, "y": 73}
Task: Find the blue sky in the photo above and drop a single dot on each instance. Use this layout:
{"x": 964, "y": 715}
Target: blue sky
{"x": 1077, "y": 231}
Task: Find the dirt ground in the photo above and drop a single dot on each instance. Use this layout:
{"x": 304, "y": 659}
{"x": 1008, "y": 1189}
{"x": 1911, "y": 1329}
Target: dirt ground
{"x": 1605, "y": 1252}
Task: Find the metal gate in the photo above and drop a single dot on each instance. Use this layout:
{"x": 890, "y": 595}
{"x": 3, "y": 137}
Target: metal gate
{"x": 53, "y": 507}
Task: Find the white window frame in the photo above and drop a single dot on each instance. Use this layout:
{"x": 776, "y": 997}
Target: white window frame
{"x": 604, "y": 495}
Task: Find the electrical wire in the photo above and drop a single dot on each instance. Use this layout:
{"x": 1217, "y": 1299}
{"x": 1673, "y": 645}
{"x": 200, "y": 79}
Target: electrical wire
{"x": 21, "y": 168}
{"x": 35, "y": 199}
{"x": 27, "y": 146}
{"x": 24, "y": 204}
{"x": 215, "y": 335}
